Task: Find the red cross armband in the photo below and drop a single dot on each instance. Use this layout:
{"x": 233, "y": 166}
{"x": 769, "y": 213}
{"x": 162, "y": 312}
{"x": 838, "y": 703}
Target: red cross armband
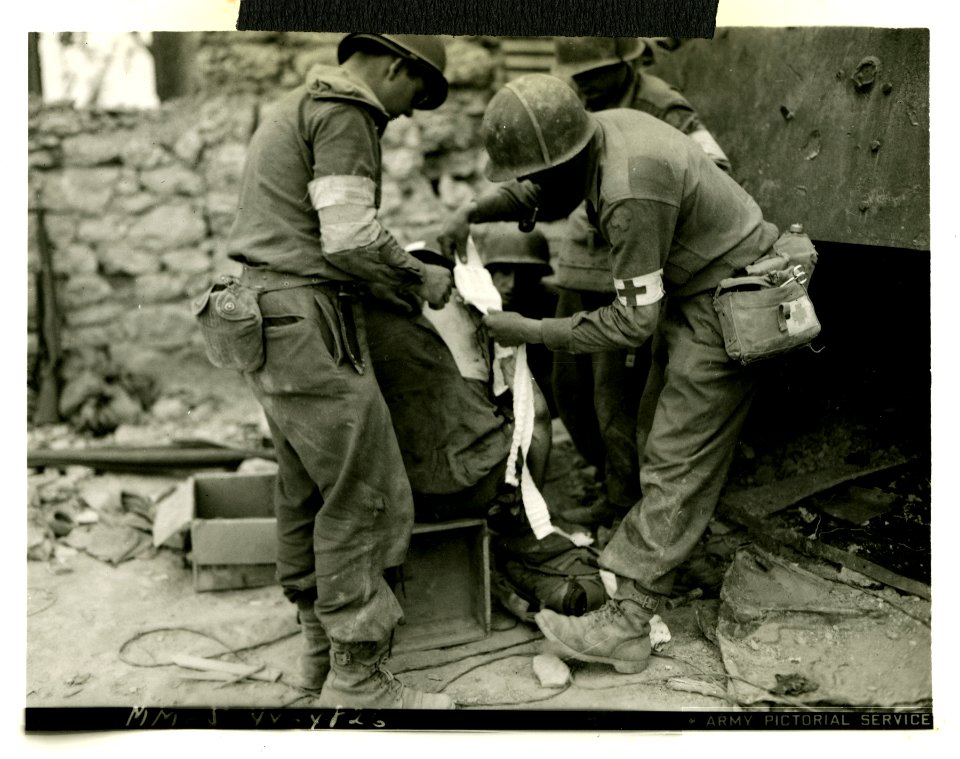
{"x": 640, "y": 291}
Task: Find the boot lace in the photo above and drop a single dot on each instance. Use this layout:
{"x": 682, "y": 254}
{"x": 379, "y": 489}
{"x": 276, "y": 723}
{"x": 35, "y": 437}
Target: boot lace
{"x": 386, "y": 677}
{"x": 608, "y": 612}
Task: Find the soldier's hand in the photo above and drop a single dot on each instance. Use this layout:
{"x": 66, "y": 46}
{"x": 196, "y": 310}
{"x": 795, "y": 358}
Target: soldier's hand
{"x": 436, "y": 286}
{"x": 453, "y": 238}
{"x": 509, "y": 328}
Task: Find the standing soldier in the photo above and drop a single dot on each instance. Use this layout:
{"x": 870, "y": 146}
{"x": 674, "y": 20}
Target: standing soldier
{"x": 307, "y": 234}
{"x": 598, "y": 395}
{"x": 676, "y": 225}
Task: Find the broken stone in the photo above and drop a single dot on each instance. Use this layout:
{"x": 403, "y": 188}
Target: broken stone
{"x": 61, "y": 229}
{"x": 302, "y": 62}
{"x": 135, "y": 203}
{"x": 469, "y": 64}
{"x": 187, "y": 260}
{"x": 166, "y": 227}
{"x": 75, "y": 259}
{"x": 62, "y": 120}
{"x": 76, "y": 392}
{"x": 169, "y": 408}
{"x": 84, "y": 290}
{"x": 159, "y": 287}
{"x": 102, "y": 496}
{"x": 143, "y": 152}
{"x": 110, "y": 543}
{"x": 128, "y": 183}
{"x": 221, "y": 210}
{"x": 43, "y": 159}
{"x": 402, "y": 163}
{"x": 73, "y": 338}
{"x": 257, "y": 466}
{"x": 189, "y": 146}
{"x": 84, "y": 190}
{"x": 103, "y": 229}
{"x": 551, "y": 671}
{"x": 39, "y": 547}
{"x": 100, "y": 313}
{"x": 224, "y": 166}
{"x": 172, "y": 180}
{"x": 161, "y": 325}
{"x": 92, "y": 149}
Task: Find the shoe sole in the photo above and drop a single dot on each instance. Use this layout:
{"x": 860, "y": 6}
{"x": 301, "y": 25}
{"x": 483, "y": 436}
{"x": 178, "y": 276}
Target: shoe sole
{"x": 563, "y": 651}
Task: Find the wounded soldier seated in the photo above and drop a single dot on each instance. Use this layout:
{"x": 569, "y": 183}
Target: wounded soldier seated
{"x": 436, "y": 370}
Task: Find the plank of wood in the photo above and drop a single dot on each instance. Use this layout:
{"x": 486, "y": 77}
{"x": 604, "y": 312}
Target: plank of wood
{"x": 769, "y": 499}
{"x": 232, "y": 669}
{"x": 784, "y": 536}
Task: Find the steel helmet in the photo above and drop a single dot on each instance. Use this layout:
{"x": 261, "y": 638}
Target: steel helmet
{"x": 505, "y": 244}
{"x": 577, "y": 55}
{"x": 426, "y": 50}
{"x": 533, "y": 123}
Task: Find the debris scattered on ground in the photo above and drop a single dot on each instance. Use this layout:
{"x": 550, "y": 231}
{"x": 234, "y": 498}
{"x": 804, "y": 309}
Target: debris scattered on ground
{"x": 692, "y": 685}
{"x": 111, "y": 543}
{"x": 859, "y": 505}
{"x": 215, "y": 669}
{"x": 551, "y": 671}
{"x": 787, "y": 635}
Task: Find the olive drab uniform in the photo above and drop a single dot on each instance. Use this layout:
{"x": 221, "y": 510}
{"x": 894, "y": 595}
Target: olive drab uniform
{"x": 603, "y": 423}
{"x": 307, "y": 232}
{"x": 676, "y": 225}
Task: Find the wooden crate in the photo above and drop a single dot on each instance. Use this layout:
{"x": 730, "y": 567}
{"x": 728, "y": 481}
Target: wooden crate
{"x": 233, "y": 534}
{"x": 443, "y": 587}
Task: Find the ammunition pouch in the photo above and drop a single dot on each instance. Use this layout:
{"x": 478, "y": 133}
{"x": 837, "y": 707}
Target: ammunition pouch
{"x": 231, "y": 325}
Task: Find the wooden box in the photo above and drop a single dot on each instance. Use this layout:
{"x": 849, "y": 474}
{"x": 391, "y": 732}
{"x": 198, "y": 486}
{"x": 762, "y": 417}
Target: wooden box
{"x": 443, "y": 586}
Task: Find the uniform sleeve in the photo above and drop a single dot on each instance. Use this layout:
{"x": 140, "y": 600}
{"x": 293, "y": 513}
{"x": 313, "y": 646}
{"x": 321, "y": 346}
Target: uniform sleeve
{"x": 511, "y": 201}
{"x": 345, "y": 194}
{"x": 640, "y": 232}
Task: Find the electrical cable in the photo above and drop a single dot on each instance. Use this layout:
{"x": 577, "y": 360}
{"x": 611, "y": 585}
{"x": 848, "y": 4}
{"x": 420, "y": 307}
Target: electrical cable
{"x": 468, "y": 656}
{"x": 209, "y": 636}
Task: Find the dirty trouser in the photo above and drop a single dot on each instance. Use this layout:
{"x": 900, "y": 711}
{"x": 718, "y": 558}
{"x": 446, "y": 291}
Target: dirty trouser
{"x": 451, "y": 430}
{"x": 598, "y": 396}
{"x": 699, "y": 413}
{"x": 343, "y": 504}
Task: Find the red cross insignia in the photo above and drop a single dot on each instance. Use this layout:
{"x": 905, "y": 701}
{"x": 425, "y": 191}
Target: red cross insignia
{"x": 640, "y": 291}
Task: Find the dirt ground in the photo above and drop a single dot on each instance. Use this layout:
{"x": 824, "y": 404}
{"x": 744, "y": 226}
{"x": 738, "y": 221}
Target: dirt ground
{"x": 123, "y": 623}
{"x": 103, "y": 635}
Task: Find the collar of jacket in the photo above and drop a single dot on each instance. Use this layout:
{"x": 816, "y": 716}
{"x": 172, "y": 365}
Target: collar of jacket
{"x": 335, "y": 83}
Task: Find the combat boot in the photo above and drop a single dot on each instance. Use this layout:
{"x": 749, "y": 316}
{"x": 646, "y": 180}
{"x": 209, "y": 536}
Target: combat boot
{"x": 314, "y": 658}
{"x": 359, "y": 680}
{"x": 617, "y": 633}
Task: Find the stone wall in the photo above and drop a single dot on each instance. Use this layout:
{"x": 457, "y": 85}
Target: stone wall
{"x": 136, "y": 205}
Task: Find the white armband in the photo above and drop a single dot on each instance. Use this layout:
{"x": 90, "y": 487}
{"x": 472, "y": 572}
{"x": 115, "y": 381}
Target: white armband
{"x": 640, "y": 291}
{"x": 346, "y": 205}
